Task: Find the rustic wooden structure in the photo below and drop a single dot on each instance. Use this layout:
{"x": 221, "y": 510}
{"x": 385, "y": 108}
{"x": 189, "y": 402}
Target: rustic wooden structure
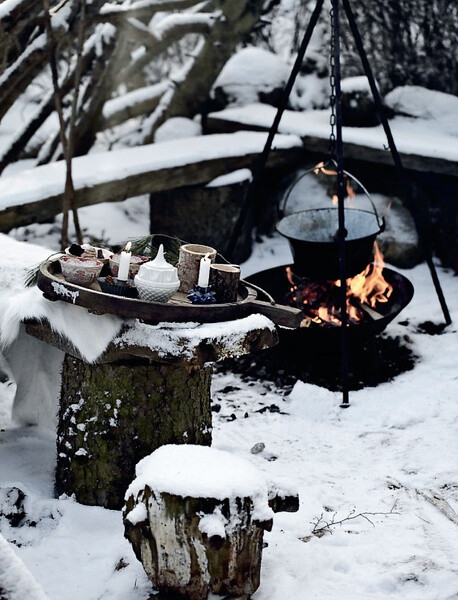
{"x": 132, "y": 401}
{"x": 206, "y": 538}
{"x": 318, "y": 142}
{"x": 145, "y": 173}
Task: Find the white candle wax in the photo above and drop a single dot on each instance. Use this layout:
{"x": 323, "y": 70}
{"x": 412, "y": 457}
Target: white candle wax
{"x": 204, "y": 272}
{"x": 124, "y": 263}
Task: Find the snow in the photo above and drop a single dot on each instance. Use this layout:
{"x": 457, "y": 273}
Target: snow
{"x": 37, "y": 44}
{"x": 435, "y": 138}
{"x": 181, "y": 339}
{"x": 7, "y": 6}
{"x": 177, "y": 128}
{"x": 416, "y": 101}
{"x": 15, "y": 579}
{"x": 355, "y": 84}
{"x": 201, "y": 472}
{"x": 339, "y": 461}
{"x": 250, "y": 71}
{"x": 125, "y": 101}
{"x": 239, "y": 176}
{"x": 48, "y": 180}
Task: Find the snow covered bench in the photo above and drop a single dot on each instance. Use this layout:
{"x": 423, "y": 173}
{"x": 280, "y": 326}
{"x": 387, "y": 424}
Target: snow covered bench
{"x": 35, "y": 194}
{"x": 424, "y": 145}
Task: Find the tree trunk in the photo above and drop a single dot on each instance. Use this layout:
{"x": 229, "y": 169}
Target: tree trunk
{"x": 181, "y": 559}
{"x": 114, "y": 414}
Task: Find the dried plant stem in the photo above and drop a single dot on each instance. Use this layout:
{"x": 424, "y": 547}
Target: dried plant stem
{"x": 68, "y": 201}
{"x": 321, "y": 526}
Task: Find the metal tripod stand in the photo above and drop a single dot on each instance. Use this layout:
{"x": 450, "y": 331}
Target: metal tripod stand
{"x": 336, "y": 120}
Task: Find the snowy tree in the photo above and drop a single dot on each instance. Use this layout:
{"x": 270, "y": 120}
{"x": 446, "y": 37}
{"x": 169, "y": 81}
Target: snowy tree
{"x": 165, "y": 53}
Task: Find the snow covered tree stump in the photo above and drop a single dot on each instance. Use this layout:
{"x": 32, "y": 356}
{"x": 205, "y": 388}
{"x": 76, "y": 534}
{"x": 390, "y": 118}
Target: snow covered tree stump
{"x": 196, "y": 517}
{"x": 150, "y": 387}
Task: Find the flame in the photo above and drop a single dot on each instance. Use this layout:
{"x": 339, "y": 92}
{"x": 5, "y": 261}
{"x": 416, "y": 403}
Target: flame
{"x": 128, "y": 246}
{"x": 320, "y": 300}
{"x": 319, "y": 168}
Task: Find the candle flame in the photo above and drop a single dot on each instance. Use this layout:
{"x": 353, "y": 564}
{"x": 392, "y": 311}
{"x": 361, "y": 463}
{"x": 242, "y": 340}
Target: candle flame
{"x": 207, "y": 256}
{"x": 128, "y": 246}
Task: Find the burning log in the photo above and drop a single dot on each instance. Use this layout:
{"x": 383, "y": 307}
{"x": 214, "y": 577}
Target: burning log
{"x": 320, "y": 300}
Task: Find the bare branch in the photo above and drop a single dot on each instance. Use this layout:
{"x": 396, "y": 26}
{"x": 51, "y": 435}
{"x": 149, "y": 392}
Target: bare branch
{"x": 115, "y": 13}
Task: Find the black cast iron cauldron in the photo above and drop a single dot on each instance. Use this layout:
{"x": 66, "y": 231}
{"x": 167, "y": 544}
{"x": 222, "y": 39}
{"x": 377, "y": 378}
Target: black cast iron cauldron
{"x": 313, "y": 236}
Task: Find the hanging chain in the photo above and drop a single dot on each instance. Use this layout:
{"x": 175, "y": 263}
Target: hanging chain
{"x": 332, "y": 83}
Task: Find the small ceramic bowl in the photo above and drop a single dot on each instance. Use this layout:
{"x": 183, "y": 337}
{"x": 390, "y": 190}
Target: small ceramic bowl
{"x": 88, "y": 251}
{"x": 82, "y": 271}
{"x": 135, "y": 263}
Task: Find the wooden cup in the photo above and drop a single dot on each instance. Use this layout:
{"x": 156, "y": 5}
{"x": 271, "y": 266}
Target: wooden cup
{"x": 189, "y": 264}
{"x": 224, "y": 280}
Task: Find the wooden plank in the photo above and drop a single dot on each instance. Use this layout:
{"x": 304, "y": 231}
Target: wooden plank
{"x": 320, "y": 145}
{"x": 146, "y": 181}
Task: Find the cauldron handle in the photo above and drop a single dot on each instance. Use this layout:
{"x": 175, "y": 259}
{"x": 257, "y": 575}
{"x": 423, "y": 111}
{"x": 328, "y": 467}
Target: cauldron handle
{"x": 380, "y": 220}
{"x": 281, "y": 210}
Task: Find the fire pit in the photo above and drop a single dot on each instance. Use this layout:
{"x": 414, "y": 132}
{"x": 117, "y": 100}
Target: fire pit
{"x": 312, "y": 353}
{"x": 374, "y": 299}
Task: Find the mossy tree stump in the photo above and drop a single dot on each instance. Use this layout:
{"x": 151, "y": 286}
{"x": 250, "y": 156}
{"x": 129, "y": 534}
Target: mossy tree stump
{"x": 113, "y": 414}
{"x": 139, "y": 396}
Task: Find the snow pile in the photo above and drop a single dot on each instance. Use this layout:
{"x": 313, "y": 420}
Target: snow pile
{"x": 181, "y": 339}
{"x": 416, "y": 101}
{"x": 249, "y": 73}
{"x": 435, "y": 137}
{"x": 239, "y": 176}
{"x": 355, "y": 84}
{"x": 48, "y": 181}
{"x": 177, "y": 128}
{"x": 16, "y": 580}
{"x": 201, "y": 472}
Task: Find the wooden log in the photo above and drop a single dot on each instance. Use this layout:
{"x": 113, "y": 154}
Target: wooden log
{"x": 189, "y": 264}
{"x": 113, "y": 414}
{"x": 204, "y": 214}
{"x": 201, "y": 538}
{"x": 224, "y": 280}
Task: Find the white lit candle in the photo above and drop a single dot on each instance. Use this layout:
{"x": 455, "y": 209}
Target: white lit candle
{"x": 124, "y": 263}
{"x": 204, "y": 272}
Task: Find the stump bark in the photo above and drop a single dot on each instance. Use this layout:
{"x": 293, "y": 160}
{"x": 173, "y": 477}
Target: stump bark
{"x": 114, "y": 414}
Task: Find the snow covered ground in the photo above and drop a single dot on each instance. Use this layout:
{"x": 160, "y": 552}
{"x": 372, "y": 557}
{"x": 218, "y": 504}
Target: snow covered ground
{"x": 385, "y": 457}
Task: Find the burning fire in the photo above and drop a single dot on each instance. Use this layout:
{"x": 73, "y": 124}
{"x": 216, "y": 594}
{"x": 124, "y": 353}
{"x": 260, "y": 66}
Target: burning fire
{"x": 320, "y": 301}
{"x": 320, "y": 168}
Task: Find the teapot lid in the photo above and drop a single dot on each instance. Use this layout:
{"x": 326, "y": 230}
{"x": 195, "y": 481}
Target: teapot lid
{"x": 159, "y": 262}
{"x": 158, "y": 270}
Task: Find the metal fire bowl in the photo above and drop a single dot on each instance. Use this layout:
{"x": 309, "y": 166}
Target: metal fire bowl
{"x": 275, "y": 282}
{"x": 312, "y": 235}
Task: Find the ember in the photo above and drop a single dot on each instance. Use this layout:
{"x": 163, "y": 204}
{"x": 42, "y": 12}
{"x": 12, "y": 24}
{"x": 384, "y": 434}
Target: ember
{"x": 320, "y": 300}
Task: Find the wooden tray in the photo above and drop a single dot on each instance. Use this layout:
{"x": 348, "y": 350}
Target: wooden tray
{"x": 179, "y": 309}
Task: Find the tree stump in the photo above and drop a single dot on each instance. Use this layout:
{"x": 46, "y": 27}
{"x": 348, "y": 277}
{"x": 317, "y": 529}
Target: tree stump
{"x": 113, "y": 414}
{"x": 196, "y": 517}
{"x": 150, "y": 387}
{"x": 204, "y": 215}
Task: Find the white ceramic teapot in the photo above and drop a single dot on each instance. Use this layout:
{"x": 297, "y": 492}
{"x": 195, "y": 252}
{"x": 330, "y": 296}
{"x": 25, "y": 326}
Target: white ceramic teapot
{"x": 157, "y": 280}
